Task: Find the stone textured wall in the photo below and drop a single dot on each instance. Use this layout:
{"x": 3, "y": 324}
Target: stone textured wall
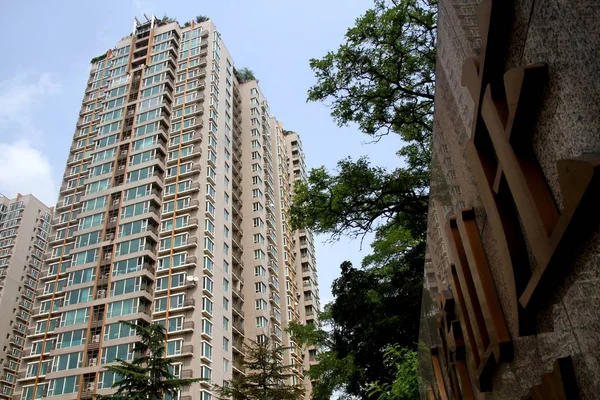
{"x": 565, "y": 34}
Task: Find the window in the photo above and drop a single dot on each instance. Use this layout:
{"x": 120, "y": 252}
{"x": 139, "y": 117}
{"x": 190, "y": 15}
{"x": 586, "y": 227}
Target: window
{"x": 260, "y": 287}
{"x": 133, "y": 228}
{"x": 259, "y": 270}
{"x": 74, "y": 317}
{"x": 177, "y": 260}
{"x": 209, "y": 245}
{"x": 125, "y": 286}
{"x": 208, "y": 264}
{"x": 210, "y": 208}
{"x": 139, "y": 191}
{"x": 206, "y": 373}
{"x": 88, "y": 239}
{"x": 225, "y": 344}
{"x": 123, "y": 307}
{"x": 207, "y": 284}
{"x": 117, "y": 331}
{"x": 260, "y": 304}
{"x": 67, "y": 361}
{"x": 127, "y": 266}
{"x": 130, "y": 246}
{"x": 66, "y": 385}
{"x": 209, "y": 226}
{"x": 225, "y": 324}
{"x": 261, "y": 322}
{"x": 91, "y": 221}
{"x": 174, "y": 347}
{"x": 258, "y": 238}
{"x": 135, "y": 209}
{"x": 207, "y": 327}
{"x": 207, "y": 305}
{"x": 122, "y": 352}
{"x": 258, "y": 222}
{"x": 206, "y": 351}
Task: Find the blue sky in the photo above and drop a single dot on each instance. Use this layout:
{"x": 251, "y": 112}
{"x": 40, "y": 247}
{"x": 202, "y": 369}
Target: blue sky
{"x": 47, "y": 47}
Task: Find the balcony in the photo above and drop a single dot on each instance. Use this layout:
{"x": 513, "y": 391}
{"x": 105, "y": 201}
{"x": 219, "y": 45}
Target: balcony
{"x": 237, "y": 345}
{"x": 237, "y": 309}
{"x": 238, "y": 326}
{"x": 188, "y": 326}
{"x": 187, "y": 351}
{"x": 237, "y": 274}
{"x": 237, "y": 292}
{"x": 236, "y": 257}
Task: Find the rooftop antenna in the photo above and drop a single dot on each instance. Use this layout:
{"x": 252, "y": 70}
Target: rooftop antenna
{"x": 145, "y": 16}
{"x": 136, "y": 23}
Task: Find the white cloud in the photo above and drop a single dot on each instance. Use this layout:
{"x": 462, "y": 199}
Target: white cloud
{"x": 24, "y": 169}
{"x": 19, "y": 93}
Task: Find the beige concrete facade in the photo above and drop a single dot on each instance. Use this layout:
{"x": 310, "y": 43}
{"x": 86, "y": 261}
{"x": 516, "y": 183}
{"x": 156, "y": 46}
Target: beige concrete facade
{"x": 306, "y": 279}
{"x": 24, "y": 234}
{"x": 157, "y": 207}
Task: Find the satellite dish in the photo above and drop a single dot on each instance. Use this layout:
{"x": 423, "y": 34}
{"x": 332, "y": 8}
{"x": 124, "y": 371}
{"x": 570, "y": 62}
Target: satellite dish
{"x": 189, "y": 278}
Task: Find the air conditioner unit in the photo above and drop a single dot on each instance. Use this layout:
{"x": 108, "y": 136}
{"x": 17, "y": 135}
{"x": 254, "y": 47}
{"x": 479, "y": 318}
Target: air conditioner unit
{"x": 90, "y": 386}
{"x": 93, "y": 362}
{"x": 101, "y": 295}
{"x": 113, "y": 219}
{"x": 107, "y": 256}
{"x": 110, "y": 236}
{"x": 96, "y": 339}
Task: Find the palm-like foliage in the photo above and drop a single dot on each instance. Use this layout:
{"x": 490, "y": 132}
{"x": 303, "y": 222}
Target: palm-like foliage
{"x": 148, "y": 376}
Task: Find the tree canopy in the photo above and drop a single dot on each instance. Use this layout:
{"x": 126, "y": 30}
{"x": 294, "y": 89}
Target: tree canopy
{"x": 361, "y": 198}
{"x": 149, "y": 376}
{"x": 244, "y": 75}
{"x": 265, "y": 378}
{"x": 381, "y": 78}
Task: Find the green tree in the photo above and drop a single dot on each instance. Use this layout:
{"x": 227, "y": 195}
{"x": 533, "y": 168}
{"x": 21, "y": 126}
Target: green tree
{"x": 148, "y": 376}
{"x": 331, "y": 373}
{"x": 244, "y": 75}
{"x": 361, "y": 198}
{"x": 381, "y": 78}
{"x": 405, "y": 386}
{"x": 265, "y": 378}
{"x": 373, "y": 308}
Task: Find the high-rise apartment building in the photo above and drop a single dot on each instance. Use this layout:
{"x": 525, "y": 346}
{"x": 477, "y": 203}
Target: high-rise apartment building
{"x": 173, "y": 210}
{"x": 24, "y": 234}
{"x": 304, "y": 251}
